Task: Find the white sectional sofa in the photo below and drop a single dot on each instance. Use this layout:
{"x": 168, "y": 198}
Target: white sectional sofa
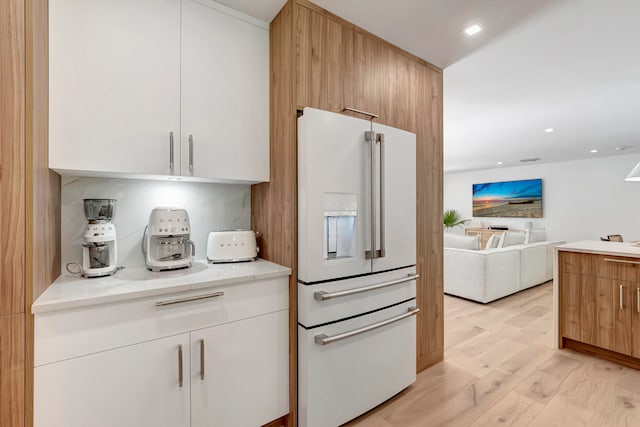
{"x": 489, "y": 274}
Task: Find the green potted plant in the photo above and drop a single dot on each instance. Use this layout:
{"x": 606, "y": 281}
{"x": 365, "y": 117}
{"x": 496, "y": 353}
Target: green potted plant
{"x": 452, "y": 219}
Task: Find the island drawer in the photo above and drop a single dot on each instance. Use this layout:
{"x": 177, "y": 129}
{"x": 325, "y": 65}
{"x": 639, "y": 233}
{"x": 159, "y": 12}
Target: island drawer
{"x": 606, "y": 266}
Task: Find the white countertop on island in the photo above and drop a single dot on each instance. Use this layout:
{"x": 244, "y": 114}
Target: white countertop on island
{"x": 72, "y": 291}
{"x": 602, "y": 248}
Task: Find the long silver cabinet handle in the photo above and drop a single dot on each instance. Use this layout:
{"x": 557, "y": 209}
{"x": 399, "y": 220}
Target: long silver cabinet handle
{"x": 638, "y": 299}
{"x": 324, "y": 339}
{"x": 171, "y": 152}
{"x": 180, "y": 372}
{"x": 189, "y": 299}
{"x": 622, "y": 261}
{"x": 191, "y": 154}
{"x": 621, "y": 297}
{"x": 202, "y": 359}
{"x": 364, "y": 113}
{"x": 382, "y": 251}
{"x": 323, "y": 295}
{"x": 370, "y": 137}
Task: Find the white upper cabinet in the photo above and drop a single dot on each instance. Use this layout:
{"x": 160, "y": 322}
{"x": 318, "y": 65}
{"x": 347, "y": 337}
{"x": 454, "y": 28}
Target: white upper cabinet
{"x": 225, "y": 93}
{"x": 114, "y": 82}
{"x": 131, "y": 80}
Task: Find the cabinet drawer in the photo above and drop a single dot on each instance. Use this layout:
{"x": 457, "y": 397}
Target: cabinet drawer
{"x": 77, "y": 332}
{"x": 606, "y": 266}
{"x": 314, "y": 310}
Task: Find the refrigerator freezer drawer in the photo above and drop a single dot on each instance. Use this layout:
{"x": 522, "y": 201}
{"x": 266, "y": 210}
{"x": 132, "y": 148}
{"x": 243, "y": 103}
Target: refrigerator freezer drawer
{"x": 330, "y": 301}
{"x": 343, "y": 379}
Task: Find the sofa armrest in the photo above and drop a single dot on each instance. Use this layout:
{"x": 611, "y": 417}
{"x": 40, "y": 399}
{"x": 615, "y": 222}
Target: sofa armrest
{"x": 482, "y": 276}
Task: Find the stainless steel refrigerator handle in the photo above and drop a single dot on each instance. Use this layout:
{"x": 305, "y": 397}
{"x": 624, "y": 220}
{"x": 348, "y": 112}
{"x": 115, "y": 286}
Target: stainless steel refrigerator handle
{"x": 364, "y": 113}
{"x": 381, "y": 253}
{"x": 191, "y": 154}
{"x": 370, "y": 137}
{"x": 180, "y": 373}
{"x": 323, "y": 295}
{"x": 202, "y": 359}
{"x": 171, "y": 152}
{"x": 324, "y": 339}
{"x": 189, "y": 299}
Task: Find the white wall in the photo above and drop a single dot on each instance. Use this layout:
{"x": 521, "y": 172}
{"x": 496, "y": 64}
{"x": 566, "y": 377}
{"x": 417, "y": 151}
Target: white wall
{"x": 581, "y": 199}
{"x": 210, "y": 207}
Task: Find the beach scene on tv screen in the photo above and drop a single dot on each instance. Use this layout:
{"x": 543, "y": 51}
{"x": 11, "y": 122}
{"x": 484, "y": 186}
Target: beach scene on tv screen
{"x": 510, "y": 199}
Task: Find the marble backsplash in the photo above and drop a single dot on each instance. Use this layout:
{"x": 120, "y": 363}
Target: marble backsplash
{"x": 210, "y": 206}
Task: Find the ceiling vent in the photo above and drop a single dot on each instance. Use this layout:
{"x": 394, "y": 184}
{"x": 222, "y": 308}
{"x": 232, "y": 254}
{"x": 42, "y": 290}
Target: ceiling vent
{"x": 529, "y": 160}
{"x": 624, "y": 147}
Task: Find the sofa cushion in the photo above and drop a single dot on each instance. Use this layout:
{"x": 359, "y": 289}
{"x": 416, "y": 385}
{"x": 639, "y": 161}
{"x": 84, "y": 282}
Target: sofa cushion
{"x": 461, "y": 242}
{"x": 533, "y": 236}
{"x": 493, "y": 241}
{"x": 511, "y": 238}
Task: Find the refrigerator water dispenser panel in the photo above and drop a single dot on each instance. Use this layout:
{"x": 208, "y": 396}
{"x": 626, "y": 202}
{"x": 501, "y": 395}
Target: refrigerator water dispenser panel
{"x": 340, "y": 219}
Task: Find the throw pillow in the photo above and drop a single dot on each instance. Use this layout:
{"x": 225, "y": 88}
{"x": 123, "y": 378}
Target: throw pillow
{"x": 461, "y": 242}
{"x": 536, "y": 236}
{"x": 511, "y": 238}
{"x": 493, "y": 241}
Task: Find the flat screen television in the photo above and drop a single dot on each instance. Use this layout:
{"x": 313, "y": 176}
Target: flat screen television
{"x": 509, "y": 199}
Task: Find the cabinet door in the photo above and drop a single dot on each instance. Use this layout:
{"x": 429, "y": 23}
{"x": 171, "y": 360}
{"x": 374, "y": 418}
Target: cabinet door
{"x": 246, "y": 372}
{"x": 132, "y": 386}
{"x": 362, "y": 73}
{"x": 225, "y": 93}
{"x": 319, "y": 71}
{"x": 605, "y": 313}
{"x": 114, "y": 69}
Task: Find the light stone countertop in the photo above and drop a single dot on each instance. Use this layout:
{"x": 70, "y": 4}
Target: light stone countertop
{"x": 603, "y": 248}
{"x": 71, "y": 291}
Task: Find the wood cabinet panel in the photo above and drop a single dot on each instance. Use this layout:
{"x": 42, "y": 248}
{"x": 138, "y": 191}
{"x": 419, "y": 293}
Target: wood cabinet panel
{"x": 361, "y": 73}
{"x": 571, "y": 298}
{"x": 429, "y": 245}
{"x": 12, "y": 157}
{"x": 634, "y": 303}
{"x": 319, "y": 73}
{"x": 12, "y": 340}
{"x": 614, "y": 267}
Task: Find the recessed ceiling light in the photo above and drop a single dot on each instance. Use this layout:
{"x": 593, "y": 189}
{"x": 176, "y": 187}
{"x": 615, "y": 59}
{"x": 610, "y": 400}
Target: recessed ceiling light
{"x": 549, "y": 130}
{"x": 499, "y": 163}
{"x": 474, "y": 29}
{"x": 593, "y": 151}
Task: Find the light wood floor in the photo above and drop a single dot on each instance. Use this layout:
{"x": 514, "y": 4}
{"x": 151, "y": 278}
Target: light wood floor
{"x": 500, "y": 369}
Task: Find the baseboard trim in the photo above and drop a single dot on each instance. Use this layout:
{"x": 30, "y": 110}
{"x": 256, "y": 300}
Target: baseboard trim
{"x": 601, "y": 353}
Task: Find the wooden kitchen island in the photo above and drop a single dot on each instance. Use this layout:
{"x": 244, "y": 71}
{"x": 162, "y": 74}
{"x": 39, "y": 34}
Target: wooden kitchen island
{"x": 597, "y": 300}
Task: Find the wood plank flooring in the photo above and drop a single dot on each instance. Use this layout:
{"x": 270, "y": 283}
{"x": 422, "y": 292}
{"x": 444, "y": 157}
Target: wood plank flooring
{"x": 500, "y": 369}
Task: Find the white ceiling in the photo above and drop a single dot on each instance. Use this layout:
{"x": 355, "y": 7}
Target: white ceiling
{"x": 573, "y": 65}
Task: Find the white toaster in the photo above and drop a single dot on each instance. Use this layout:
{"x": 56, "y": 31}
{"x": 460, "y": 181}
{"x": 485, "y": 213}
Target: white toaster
{"x": 232, "y": 246}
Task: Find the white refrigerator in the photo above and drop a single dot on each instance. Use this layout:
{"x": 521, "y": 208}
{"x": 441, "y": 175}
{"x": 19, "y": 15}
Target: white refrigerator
{"x": 356, "y": 265}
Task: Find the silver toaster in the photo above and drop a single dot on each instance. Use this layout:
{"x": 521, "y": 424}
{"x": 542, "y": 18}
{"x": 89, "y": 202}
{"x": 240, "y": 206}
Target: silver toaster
{"x": 232, "y": 246}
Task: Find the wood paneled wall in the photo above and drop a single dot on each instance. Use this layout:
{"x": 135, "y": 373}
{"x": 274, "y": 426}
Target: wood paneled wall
{"x": 42, "y": 185}
{"x": 12, "y": 213}
{"x": 29, "y": 199}
{"x": 274, "y": 204}
{"x": 320, "y": 60}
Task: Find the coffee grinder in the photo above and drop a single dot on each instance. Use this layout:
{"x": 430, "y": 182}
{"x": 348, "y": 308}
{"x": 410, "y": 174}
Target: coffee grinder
{"x": 99, "y": 250}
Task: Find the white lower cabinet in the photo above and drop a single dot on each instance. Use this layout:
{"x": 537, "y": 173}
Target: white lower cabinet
{"x": 225, "y": 361}
{"x": 135, "y": 386}
{"x": 243, "y": 382}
